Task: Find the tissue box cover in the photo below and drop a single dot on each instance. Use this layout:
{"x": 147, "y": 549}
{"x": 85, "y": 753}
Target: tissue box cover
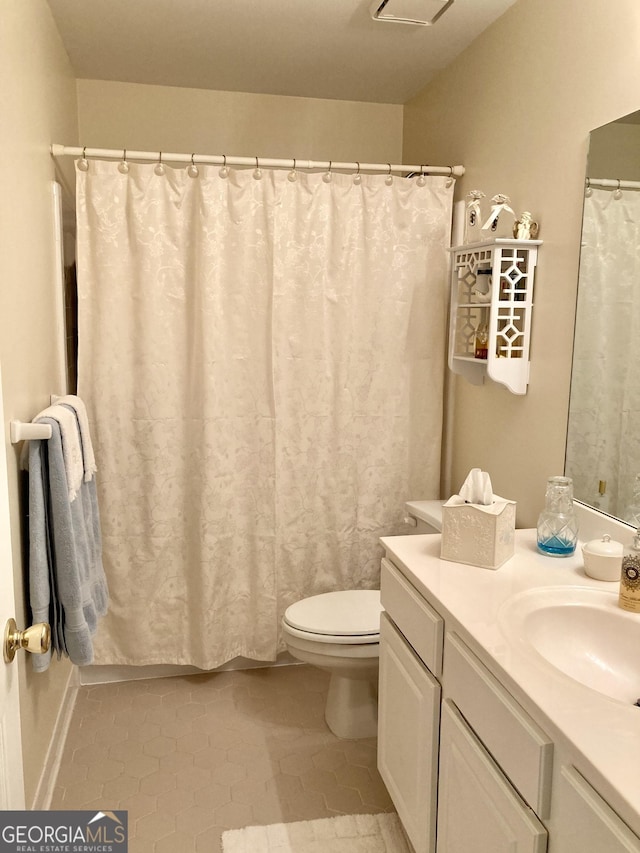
{"x": 473, "y": 535}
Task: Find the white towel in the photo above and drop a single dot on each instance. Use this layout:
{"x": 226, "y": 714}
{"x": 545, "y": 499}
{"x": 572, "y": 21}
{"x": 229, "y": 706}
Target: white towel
{"x": 83, "y": 421}
{"x": 71, "y": 446}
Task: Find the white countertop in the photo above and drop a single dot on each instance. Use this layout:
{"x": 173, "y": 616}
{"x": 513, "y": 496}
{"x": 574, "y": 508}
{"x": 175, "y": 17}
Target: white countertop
{"x": 606, "y": 732}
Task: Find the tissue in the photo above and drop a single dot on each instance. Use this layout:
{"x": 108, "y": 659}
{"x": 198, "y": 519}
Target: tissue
{"x": 477, "y": 488}
{"x": 478, "y": 527}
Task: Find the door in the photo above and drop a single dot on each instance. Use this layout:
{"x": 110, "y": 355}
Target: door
{"x": 408, "y": 718}
{"x": 478, "y": 809}
{"x": 11, "y": 776}
{"x": 585, "y": 821}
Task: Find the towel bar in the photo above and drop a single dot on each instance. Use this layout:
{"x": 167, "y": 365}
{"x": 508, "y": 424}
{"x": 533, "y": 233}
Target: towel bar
{"x": 20, "y": 431}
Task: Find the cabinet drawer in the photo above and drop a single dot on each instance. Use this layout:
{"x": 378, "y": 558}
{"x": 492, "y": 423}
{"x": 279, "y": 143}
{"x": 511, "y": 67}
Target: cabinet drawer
{"x": 516, "y": 742}
{"x": 417, "y": 620}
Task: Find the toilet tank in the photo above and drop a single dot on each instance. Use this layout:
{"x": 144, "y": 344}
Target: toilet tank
{"x": 424, "y": 516}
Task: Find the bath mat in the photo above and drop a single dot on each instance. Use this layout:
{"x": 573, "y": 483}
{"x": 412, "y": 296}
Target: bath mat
{"x": 362, "y": 833}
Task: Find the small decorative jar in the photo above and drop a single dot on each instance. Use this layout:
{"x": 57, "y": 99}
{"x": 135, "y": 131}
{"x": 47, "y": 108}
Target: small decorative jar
{"x": 603, "y": 558}
{"x": 558, "y": 525}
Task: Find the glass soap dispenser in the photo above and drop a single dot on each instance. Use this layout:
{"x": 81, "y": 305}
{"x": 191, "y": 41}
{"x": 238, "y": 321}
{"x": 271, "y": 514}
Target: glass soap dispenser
{"x": 558, "y": 525}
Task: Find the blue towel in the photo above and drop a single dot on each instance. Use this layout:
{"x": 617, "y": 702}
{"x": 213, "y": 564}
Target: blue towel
{"x": 67, "y": 584}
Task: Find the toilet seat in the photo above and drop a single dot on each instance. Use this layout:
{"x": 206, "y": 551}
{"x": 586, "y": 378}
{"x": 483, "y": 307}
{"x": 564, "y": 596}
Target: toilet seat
{"x": 348, "y": 617}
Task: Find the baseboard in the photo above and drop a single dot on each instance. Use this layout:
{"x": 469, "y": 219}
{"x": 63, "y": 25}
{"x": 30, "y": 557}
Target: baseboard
{"x": 107, "y": 673}
{"x": 44, "y": 791}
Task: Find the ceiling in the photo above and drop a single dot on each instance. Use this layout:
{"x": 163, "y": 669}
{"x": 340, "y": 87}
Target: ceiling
{"x": 309, "y": 48}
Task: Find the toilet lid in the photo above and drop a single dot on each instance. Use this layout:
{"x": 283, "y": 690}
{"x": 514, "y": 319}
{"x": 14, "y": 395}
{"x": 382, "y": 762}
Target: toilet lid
{"x": 351, "y": 613}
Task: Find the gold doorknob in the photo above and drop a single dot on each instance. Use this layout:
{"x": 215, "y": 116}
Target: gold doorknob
{"x": 35, "y": 639}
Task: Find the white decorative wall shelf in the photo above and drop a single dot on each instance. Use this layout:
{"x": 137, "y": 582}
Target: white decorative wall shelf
{"x": 492, "y": 284}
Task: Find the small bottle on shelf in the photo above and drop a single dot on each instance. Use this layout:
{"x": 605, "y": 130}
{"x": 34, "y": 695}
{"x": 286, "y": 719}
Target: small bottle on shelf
{"x": 630, "y": 581}
{"x": 482, "y": 338}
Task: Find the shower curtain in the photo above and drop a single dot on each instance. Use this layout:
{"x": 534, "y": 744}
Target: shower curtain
{"x": 262, "y": 361}
{"x": 603, "y": 439}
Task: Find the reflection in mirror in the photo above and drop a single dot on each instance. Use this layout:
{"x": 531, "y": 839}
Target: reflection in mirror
{"x": 603, "y": 440}
{"x": 65, "y": 179}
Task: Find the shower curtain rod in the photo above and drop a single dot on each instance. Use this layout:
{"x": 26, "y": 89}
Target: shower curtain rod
{"x": 605, "y": 183}
{"x": 265, "y": 162}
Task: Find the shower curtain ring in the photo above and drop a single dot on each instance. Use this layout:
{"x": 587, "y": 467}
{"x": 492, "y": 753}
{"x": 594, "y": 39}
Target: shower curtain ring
{"x": 327, "y": 175}
{"x": 123, "y": 166}
{"x": 618, "y": 192}
{"x": 357, "y": 178}
{"x": 588, "y": 191}
{"x": 192, "y": 169}
{"x": 257, "y": 174}
{"x": 159, "y": 168}
{"x": 389, "y": 179}
{"x": 292, "y": 174}
{"x": 224, "y": 171}
{"x": 449, "y": 180}
{"x": 421, "y": 180}
{"x": 83, "y": 163}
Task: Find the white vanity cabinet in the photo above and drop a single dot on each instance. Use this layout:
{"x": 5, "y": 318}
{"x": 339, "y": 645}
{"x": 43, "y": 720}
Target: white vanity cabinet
{"x": 409, "y": 705}
{"x": 478, "y": 810}
{"x": 495, "y": 764}
{"x": 470, "y": 767}
{"x": 583, "y": 821}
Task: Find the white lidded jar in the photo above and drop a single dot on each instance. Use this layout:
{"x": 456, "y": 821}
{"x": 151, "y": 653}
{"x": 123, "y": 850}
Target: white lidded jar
{"x": 603, "y": 558}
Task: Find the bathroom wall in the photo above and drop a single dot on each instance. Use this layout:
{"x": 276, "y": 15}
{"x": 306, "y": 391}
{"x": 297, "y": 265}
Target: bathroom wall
{"x": 613, "y": 152}
{"x": 153, "y": 118}
{"x": 516, "y": 109}
{"x": 37, "y": 105}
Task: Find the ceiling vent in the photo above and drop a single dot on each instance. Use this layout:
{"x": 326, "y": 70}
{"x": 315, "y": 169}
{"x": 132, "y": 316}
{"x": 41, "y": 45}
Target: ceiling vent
{"x": 421, "y": 13}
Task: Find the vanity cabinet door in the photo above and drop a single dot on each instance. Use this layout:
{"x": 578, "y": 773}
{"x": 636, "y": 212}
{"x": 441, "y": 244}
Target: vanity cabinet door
{"x": 585, "y": 821}
{"x": 478, "y": 809}
{"x": 408, "y": 719}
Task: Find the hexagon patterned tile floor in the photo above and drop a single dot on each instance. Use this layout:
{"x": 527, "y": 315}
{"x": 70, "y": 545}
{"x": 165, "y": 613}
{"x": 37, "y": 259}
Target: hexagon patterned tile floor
{"x": 192, "y": 756}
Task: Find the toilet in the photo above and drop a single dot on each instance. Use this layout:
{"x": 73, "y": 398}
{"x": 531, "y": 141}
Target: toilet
{"x": 339, "y": 632}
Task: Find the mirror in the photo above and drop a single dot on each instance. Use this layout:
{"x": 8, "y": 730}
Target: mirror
{"x": 603, "y": 440}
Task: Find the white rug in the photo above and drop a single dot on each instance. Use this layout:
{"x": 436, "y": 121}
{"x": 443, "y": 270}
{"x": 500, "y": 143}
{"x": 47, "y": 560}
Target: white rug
{"x": 362, "y": 833}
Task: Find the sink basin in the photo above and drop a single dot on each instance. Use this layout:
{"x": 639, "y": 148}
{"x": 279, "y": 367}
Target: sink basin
{"x": 583, "y": 633}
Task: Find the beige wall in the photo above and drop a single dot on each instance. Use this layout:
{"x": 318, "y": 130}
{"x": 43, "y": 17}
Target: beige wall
{"x": 614, "y": 152}
{"x": 37, "y": 106}
{"x": 516, "y": 109}
{"x": 153, "y": 118}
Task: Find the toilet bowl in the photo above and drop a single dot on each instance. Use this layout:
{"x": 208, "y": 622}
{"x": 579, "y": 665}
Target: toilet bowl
{"x": 339, "y": 632}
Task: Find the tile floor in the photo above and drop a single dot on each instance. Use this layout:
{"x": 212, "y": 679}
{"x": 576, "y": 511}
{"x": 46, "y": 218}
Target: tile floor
{"x": 191, "y": 756}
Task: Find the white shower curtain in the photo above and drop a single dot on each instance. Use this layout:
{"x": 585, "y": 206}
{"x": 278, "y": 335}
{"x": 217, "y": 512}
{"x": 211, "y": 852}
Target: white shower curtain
{"x": 263, "y": 363}
{"x": 603, "y": 438}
